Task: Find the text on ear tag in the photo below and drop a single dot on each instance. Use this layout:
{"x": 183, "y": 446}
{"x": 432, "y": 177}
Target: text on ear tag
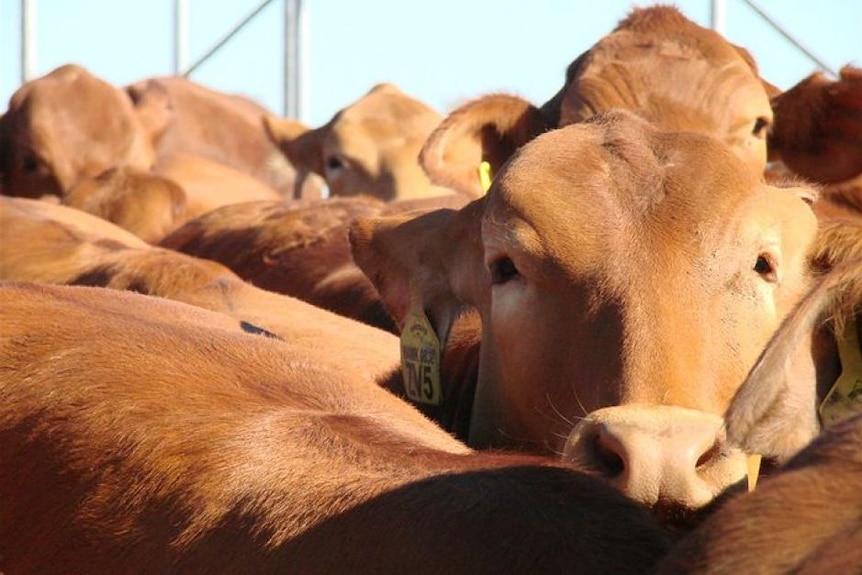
{"x": 420, "y": 358}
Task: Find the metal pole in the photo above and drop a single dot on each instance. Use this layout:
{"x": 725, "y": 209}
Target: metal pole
{"x": 218, "y": 45}
{"x": 28, "y": 40}
{"x": 303, "y": 85}
{"x": 824, "y": 66}
{"x": 718, "y": 16}
{"x": 181, "y": 29}
{"x": 291, "y": 58}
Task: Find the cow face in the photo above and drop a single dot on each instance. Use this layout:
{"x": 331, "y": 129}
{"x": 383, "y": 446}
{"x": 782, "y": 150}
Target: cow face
{"x": 626, "y": 279}
{"x": 370, "y": 147}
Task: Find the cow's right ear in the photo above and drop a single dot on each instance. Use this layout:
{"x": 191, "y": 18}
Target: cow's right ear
{"x": 302, "y": 146}
{"x": 425, "y": 262}
{"x": 774, "y": 411}
{"x": 490, "y": 129}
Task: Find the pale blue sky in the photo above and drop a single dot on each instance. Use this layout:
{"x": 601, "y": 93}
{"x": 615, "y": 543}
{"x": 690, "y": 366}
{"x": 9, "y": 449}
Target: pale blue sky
{"x": 443, "y": 51}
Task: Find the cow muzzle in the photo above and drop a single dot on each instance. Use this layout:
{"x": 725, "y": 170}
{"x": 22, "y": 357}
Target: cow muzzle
{"x": 663, "y": 456}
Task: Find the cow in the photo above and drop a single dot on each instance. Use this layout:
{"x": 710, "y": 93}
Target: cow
{"x": 69, "y": 125}
{"x": 225, "y": 129}
{"x": 804, "y": 517}
{"x": 47, "y": 243}
{"x": 656, "y": 62}
{"x": 140, "y": 435}
{"x": 65, "y": 126}
{"x": 626, "y": 279}
{"x": 370, "y": 147}
{"x": 148, "y": 205}
{"x": 298, "y": 248}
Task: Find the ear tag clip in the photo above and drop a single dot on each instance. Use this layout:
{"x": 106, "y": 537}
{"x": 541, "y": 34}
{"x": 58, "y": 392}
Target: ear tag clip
{"x": 485, "y": 176}
{"x": 845, "y": 397}
{"x": 420, "y": 357}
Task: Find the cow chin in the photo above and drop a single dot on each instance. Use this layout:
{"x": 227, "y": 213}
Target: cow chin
{"x": 675, "y": 460}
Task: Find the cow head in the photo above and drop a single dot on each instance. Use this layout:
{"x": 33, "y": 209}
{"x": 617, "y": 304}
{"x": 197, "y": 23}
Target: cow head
{"x": 370, "y": 147}
{"x": 66, "y": 126}
{"x": 656, "y": 63}
{"x": 626, "y": 280}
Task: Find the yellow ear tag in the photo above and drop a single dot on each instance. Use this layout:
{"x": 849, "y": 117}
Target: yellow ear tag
{"x": 845, "y": 397}
{"x": 485, "y": 176}
{"x": 752, "y": 462}
{"x": 420, "y": 357}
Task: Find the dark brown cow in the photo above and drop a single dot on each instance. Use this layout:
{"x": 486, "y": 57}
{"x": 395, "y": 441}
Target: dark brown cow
{"x": 656, "y": 62}
{"x": 805, "y": 517}
{"x": 371, "y": 147}
{"x": 139, "y": 435}
{"x": 143, "y": 203}
{"x": 626, "y": 280}
{"x": 298, "y": 250}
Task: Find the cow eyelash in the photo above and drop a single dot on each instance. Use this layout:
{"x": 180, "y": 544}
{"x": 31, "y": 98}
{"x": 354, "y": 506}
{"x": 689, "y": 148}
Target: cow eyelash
{"x": 502, "y": 270}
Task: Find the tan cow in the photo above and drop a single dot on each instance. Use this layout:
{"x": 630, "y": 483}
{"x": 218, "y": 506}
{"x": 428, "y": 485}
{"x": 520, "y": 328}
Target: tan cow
{"x": 371, "y": 147}
{"x": 626, "y": 280}
{"x": 140, "y": 435}
{"x": 656, "y": 62}
{"x": 804, "y": 518}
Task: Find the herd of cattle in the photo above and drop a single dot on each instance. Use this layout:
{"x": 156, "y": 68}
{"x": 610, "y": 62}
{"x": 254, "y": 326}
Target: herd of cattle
{"x": 207, "y": 367}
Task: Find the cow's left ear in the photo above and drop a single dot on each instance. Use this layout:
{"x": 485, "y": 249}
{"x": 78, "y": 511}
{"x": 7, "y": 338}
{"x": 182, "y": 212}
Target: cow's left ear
{"x": 302, "y": 145}
{"x": 428, "y": 262}
{"x": 490, "y": 129}
{"x": 153, "y": 107}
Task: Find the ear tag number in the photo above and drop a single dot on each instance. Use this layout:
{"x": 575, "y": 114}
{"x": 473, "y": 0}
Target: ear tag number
{"x": 420, "y": 357}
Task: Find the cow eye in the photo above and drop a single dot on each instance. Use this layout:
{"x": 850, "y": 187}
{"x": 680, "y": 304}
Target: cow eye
{"x": 760, "y": 125}
{"x": 765, "y": 267}
{"x": 334, "y": 164}
{"x": 502, "y": 270}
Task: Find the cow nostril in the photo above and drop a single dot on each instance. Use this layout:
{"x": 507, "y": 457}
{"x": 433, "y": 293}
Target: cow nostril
{"x": 708, "y": 456}
{"x": 610, "y": 461}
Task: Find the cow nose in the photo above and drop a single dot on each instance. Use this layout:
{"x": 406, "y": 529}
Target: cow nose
{"x": 655, "y": 454}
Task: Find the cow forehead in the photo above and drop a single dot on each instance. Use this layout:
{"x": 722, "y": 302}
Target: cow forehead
{"x": 597, "y": 189}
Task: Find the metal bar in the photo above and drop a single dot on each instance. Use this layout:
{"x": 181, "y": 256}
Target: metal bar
{"x": 718, "y": 16}
{"x": 303, "y": 85}
{"x": 181, "y": 36}
{"x": 218, "y": 45}
{"x": 28, "y": 40}
{"x": 811, "y": 56}
{"x": 290, "y": 73}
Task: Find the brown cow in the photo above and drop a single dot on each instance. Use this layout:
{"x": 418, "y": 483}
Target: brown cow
{"x": 805, "y": 517}
{"x": 371, "y": 147}
{"x": 54, "y": 244}
{"x": 299, "y": 250}
{"x": 656, "y": 62}
{"x": 143, "y": 203}
{"x": 143, "y": 435}
{"x": 225, "y": 129}
{"x": 626, "y": 279}
{"x": 66, "y": 126}
{"x": 69, "y": 125}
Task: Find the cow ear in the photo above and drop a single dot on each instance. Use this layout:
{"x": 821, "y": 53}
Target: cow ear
{"x": 774, "y": 412}
{"x": 302, "y": 146}
{"x": 488, "y": 129}
{"x": 421, "y": 261}
{"x": 153, "y": 107}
